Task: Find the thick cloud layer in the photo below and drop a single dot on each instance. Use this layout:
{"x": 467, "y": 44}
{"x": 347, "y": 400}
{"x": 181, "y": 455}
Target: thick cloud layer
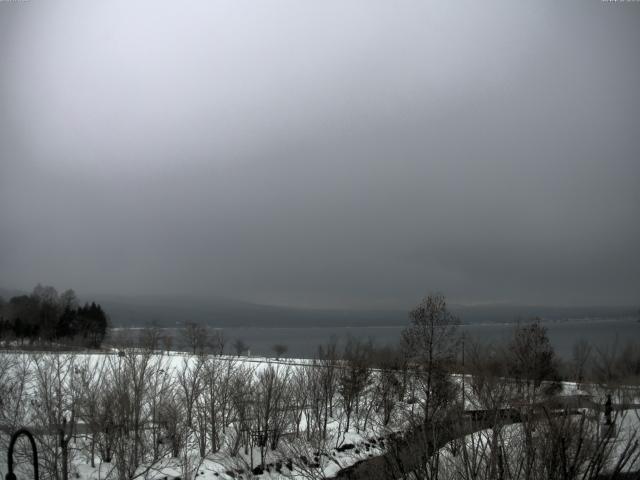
{"x": 322, "y": 153}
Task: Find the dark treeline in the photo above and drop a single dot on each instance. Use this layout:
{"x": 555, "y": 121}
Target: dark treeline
{"x": 45, "y": 316}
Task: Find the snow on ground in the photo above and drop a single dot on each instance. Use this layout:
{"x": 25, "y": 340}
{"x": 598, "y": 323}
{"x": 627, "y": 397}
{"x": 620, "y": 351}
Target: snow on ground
{"x": 340, "y": 450}
{"x": 478, "y": 444}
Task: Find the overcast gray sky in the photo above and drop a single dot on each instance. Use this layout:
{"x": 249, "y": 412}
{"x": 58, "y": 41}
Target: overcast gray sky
{"x": 323, "y": 153}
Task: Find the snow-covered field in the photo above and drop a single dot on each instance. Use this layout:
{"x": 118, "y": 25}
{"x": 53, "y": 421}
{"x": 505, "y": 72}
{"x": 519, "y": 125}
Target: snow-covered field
{"x": 296, "y": 455}
{"x": 251, "y": 417}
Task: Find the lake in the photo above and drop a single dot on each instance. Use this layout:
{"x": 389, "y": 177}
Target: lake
{"x": 303, "y": 341}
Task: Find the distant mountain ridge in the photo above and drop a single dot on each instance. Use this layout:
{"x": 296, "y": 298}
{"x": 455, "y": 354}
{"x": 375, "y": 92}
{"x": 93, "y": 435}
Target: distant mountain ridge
{"x": 217, "y": 312}
{"x": 7, "y": 293}
{"x": 168, "y": 311}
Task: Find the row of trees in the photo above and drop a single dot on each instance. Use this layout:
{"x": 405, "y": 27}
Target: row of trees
{"x": 45, "y": 316}
{"x": 360, "y": 385}
{"x": 133, "y": 414}
{"x": 507, "y": 395}
{"x": 141, "y": 411}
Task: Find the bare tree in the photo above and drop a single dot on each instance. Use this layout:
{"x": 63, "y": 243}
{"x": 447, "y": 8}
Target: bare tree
{"x": 68, "y": 300}
{"x": 92, "y": 378}
{"x": 196, "y": 337}
{"x": 57, "y": 393}
{"x": 320, "y": 382}
{"x": 328, "y": 361}
{"x": 150, "y": 338}
{"x": 581, "y": 355}
{"x": 190, "y": 385}
{"x": 47, "y": 301}
{"x": 279, "y": 350}
{"x": 242, "y": 395}
{"x": 217, "y": 342}
{"x": 299, "y": 396}
{"x": 219, "y": 378}
{"x": 389, "y": 382}
{"x": 134, "y": 378}
{"x": 532, "y": 360}
{"x": 240, "y": 347}
{"x": 270, "y": 405}
{"x": 353, "y": 377}
{"x": 170, "y": 417}
{"x": 490, "y": 394}
{"x": 431, "y": 343}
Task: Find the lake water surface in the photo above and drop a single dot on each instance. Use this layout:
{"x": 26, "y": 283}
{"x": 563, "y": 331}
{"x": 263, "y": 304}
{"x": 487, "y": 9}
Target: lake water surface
{"x": 303, "y": 342}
